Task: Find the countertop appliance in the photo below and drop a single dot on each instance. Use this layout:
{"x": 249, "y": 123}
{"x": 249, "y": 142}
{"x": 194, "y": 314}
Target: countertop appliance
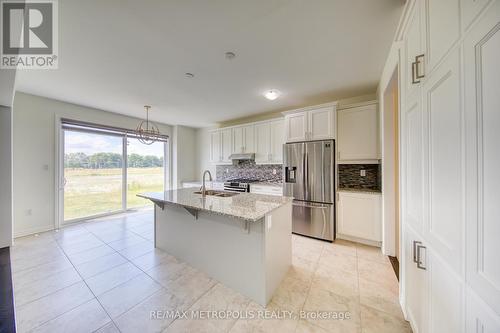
{"x": 239, "y": 184}
{"x": 309, "y": 177}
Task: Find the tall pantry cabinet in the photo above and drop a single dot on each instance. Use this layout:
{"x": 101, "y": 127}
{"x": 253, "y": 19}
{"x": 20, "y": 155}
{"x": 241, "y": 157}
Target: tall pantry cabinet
{"x": 450, "y": 118}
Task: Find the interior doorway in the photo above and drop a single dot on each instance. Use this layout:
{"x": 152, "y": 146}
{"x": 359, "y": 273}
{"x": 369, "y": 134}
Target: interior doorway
{"x": 390, "y": 172}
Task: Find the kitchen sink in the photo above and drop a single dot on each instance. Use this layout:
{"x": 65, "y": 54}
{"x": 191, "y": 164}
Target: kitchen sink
{"x": 223, "y": 194}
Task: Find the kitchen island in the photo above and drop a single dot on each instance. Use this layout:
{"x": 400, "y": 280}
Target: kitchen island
{"x": 242, "y": 240}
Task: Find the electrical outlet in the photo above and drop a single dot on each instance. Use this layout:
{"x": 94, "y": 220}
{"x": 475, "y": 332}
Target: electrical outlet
{"x": 363, "y": 173}
{"x": 274, "y": 171}
{"x": 227, "y": 170}
{"x": 46, "y": 167}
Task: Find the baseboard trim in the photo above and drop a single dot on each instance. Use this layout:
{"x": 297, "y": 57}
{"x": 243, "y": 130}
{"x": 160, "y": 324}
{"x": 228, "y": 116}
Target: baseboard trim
{"x": 32, "y": 231}
{"x": 359, "y": 240}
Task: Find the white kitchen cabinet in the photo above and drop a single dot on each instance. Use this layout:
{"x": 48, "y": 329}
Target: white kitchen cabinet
{"x": 269, "y": 140}
{"x": 277, "y": 135}
{"x": 442, "y": 29}
{"x": 449, "y": 161}
{"x": 244, "y": 139}
{"x": 321, "y": 124}
{"x": 215, "y": 147}
{"x": 359, "y": 215}
{"x": 310, "y": 124}
{"x": 266, "y": 189}
{"x": 226, "y": 144}
{"x": 296, "y": 127}
{"x": 262, "y": 140}
{"x": 414, "y": 48}
{"x": 221, "y": 146}
{"x": 481, "y": 52}
{"x": 416, "y": 282}
{"x": 358, "y": 134}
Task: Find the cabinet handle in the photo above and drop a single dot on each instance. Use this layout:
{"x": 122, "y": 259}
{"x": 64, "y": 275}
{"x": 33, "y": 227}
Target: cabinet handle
{"x": 419, "y": 259}
{"x": 415, "y": 76}
{"x": 415, "y": 244}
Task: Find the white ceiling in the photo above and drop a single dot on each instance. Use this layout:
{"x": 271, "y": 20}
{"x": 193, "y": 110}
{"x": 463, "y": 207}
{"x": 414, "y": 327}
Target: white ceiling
{"x": 118, "y": 55}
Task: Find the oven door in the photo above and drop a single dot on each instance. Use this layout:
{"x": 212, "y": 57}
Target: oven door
{"x": 313, "y": 219}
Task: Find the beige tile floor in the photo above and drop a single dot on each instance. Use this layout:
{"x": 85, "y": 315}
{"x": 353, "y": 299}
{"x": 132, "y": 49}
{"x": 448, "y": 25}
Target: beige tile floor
{"x": 106, "y": 276}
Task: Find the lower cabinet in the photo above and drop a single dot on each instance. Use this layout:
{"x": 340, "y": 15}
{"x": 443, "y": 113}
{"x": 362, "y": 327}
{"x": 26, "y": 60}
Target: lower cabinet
{"x": 359, "y": 215}
{"x": 434, "y": 293}
{"x": 266, "y": 189}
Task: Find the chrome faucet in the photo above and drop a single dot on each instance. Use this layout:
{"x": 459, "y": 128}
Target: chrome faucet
{"x": 203, "y": 187}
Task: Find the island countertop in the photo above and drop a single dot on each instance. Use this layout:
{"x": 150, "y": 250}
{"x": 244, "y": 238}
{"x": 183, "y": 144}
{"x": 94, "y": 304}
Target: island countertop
{"x": 247, "y": 206}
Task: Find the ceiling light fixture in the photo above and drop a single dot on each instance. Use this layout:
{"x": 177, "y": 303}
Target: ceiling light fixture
{"x": 272, "y": 94}
{"x": 147, "y": 131}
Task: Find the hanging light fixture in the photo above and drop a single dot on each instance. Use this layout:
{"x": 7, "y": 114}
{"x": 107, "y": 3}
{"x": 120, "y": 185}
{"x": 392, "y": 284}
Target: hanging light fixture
{"x": 147, "y": 131}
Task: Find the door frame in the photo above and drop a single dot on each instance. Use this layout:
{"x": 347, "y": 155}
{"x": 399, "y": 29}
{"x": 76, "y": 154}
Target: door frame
{"x": 394, "y": 64}
{"x": 59, "y": 177}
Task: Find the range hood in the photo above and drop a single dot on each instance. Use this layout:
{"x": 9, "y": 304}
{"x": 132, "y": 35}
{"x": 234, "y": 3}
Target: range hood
{"x": 242, "y": 156}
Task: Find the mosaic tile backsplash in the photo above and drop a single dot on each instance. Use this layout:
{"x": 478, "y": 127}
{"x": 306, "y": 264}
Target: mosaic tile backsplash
{"x": 350, "y": 176}
{"x": 250, "y": 170}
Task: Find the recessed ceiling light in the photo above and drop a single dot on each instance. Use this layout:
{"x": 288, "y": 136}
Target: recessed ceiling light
{"x": 189, "y": 75}
{"x": 272, "y": 94}
{"x": 230, "y": 55}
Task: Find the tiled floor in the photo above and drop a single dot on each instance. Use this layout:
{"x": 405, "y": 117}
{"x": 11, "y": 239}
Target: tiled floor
{"x": 105, "y": 276}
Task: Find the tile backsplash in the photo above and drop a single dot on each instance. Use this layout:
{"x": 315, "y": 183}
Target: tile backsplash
{"x": 250, "y": 170}
{"x": 350, "y": 176}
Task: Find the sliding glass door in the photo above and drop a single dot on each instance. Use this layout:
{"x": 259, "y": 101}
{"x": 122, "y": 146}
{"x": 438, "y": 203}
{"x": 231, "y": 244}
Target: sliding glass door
{"x": 103, "y": 171}
{"x": 93, "y": 174}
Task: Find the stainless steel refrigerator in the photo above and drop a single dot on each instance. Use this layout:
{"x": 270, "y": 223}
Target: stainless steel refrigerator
{"x": 309, "y": 177}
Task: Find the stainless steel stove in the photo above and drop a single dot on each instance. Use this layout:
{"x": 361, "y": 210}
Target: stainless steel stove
{"x": 238, "y": 184}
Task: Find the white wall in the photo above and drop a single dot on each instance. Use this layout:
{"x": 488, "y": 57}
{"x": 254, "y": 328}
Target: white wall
{"x": 5, "y": 177}
{"x": 34, "y": 155}
{"x": 203, "y": 153}
{"x": 184, "y": 161}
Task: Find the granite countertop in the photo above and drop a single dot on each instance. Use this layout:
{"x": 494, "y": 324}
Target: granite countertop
{"x": 247, "y": 206}
{"x": 358, "y": 189}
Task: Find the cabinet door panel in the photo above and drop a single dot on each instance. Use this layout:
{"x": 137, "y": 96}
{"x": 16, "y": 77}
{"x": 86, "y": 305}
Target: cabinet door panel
{"x": 482, "y": 98}
{"x": 415, "y": 284}
{"x": 249, "y": 139}
{"x": 413, "y": 164}
{"x": 443, "y": 112}
{"x": 445, "y": 291}
{"x": 471, "y": 10}
{"x": 443, "y": 28}
{"x": 321, "y": 124}
{"x": 358, "y": 133}
{"x": 215, "y": 145}
{"x": 227, "y": 146}
{"x": 296, "y": 127}
{"x": 238, "y": 139}
{"x": 359, "y": 215}
{"x": 413, "y": 43}
{"x": 262, "y": 142}
{"x": 277, "y": 141}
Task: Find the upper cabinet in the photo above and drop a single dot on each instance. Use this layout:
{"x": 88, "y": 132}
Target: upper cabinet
{"x": 310, "y": 124}
{"x": 265, "y": 139}
{"x": 221, "y": 146}
{"x": 243, "y": 139}
{"x": 358, "y": 134}
{"x": 432, "y": 30}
